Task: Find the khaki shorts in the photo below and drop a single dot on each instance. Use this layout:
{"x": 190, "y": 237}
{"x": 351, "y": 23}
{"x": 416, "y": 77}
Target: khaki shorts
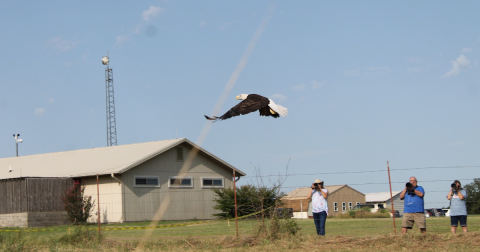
{"x": 410, "y": 218}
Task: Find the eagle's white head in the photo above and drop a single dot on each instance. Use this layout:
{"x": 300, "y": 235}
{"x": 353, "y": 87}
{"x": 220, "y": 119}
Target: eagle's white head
{"x": 241, "y": 97}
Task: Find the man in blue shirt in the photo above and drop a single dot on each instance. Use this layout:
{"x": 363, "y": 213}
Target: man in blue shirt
{"x": 413, "y": 211}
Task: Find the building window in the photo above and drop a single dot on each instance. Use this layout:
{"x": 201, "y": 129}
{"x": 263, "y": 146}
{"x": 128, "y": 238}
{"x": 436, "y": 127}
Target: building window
{"x": 179, "y": 153}
{"x": 335, "y": 206}
{"x": 146, "y": 181}
{"x": 213, "y": 183}
{"x": 344, "y": 206}
{"x": 180, "y": 182}
{"x": 358, "y": 203}
{"x": 349, "y": 205}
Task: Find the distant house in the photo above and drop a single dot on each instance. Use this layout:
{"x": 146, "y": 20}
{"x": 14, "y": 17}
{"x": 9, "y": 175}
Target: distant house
{"x": 137, "y": 182}
{"x": 384, "y": 198}
{"x": 341, "y": 198}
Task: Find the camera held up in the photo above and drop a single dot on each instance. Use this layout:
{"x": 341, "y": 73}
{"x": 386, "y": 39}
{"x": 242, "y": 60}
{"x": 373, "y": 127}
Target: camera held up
{"x": 454, "y": 186}
{"x": 409, "y": 186}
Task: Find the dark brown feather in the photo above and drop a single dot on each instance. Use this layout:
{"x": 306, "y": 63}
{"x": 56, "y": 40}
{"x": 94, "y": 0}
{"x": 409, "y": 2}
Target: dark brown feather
{"x": 265, "y": 111}
{"x": 253, "y": 103}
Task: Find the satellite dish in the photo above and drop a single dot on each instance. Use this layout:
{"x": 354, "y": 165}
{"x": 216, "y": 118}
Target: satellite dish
{"x": 105, "y": 60}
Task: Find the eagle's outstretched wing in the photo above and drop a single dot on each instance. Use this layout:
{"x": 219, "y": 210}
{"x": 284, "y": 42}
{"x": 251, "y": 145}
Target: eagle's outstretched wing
{"x": 252, "y": 103}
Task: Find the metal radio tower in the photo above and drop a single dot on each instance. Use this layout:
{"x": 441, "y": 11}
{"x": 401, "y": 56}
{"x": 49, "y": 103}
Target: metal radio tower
{"x": 111, "y": 125}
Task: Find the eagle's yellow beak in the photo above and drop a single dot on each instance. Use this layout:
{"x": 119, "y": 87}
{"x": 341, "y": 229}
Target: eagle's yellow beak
{"x": 238, "y": 97}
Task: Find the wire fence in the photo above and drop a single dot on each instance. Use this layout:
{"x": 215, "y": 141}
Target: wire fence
{"x": 133, "y": 202}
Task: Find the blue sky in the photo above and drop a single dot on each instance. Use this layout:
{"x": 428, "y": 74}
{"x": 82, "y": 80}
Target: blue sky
{"x": 364, "y": 82}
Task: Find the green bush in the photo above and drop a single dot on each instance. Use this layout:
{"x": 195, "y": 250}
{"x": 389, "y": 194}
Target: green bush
{"x": 290, "y": 226}
{"x": 365, "y": 209}
{"x": 473, "y": 196}
{"x": 363, "y": 214}
{"x": 77, "y": 205}
{"x": 384, "y": 210}
{"x": 351, "y": 213}
{"x": 250, "y": 199}
{"x": 276, "y": 228}
{"x": 81, "y": 235}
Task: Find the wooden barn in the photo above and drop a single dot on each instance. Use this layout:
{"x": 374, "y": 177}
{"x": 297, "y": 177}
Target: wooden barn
{"x": 341, "y": 198}
{"x": 137, "y": 182}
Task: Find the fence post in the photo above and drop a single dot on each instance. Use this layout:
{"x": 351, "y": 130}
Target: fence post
{"x": 98, "y": 204}
{"x": 301, "y": 209}
{"x": 391, "y": 198}
{"x": 235, "y": 197}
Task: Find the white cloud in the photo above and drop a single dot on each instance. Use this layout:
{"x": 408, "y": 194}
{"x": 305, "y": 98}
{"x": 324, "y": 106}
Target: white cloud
{"x": 152, "y": 12}
{"x": 121, "y": 39}
{"x": 203, "y": 23}
{"x": 467, "y": 50}
{"x": 458, "y": 65}
{"x": 278, "y": 98}
{"x": 316, "y": 84}
{"x": 39, "y": 111}
{"x": 49, "y": 99}
{"x": 137, "y": 29}
{"x": 61, "y": 45}
{"x": 299, "y": 87}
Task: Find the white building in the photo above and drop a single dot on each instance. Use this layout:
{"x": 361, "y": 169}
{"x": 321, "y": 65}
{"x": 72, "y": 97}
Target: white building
{"x": 384, "y": 198}
{"x": 162, "y": 180}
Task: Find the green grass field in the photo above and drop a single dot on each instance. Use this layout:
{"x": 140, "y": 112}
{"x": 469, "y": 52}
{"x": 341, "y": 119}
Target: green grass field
{"x": 334, "y": 226}
{"x": 352, "y": 227}
{"x": 127, "y": 239}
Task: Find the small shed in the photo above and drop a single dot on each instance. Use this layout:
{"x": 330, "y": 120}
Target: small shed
{"x": 341, "y": 198}
{"x": 161, "y": 180}
{"x": 385, "y": 199}
{"x": 32, "y": 202}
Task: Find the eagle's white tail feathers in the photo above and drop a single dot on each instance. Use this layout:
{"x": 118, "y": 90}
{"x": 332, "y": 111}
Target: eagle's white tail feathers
{"x": 277, "y": 108}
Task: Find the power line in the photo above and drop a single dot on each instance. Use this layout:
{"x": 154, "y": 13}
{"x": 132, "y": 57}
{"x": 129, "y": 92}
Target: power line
{"x": 356, "y": 172}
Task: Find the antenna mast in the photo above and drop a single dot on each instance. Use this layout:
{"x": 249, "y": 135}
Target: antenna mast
{"x": 110, "y": 100}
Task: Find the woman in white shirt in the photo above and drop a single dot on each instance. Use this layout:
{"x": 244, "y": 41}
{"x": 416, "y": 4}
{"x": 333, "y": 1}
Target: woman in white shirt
{"x": 319, "y": 195}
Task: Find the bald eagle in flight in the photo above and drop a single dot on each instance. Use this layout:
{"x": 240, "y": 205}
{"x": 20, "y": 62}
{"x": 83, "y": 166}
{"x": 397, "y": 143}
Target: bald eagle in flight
{"x": 251, "y": 103}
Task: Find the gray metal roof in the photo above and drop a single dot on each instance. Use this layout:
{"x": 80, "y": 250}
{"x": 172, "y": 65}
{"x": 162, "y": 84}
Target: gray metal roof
{"x": 380, "y": 197}
{"x": 89, "y": 162}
